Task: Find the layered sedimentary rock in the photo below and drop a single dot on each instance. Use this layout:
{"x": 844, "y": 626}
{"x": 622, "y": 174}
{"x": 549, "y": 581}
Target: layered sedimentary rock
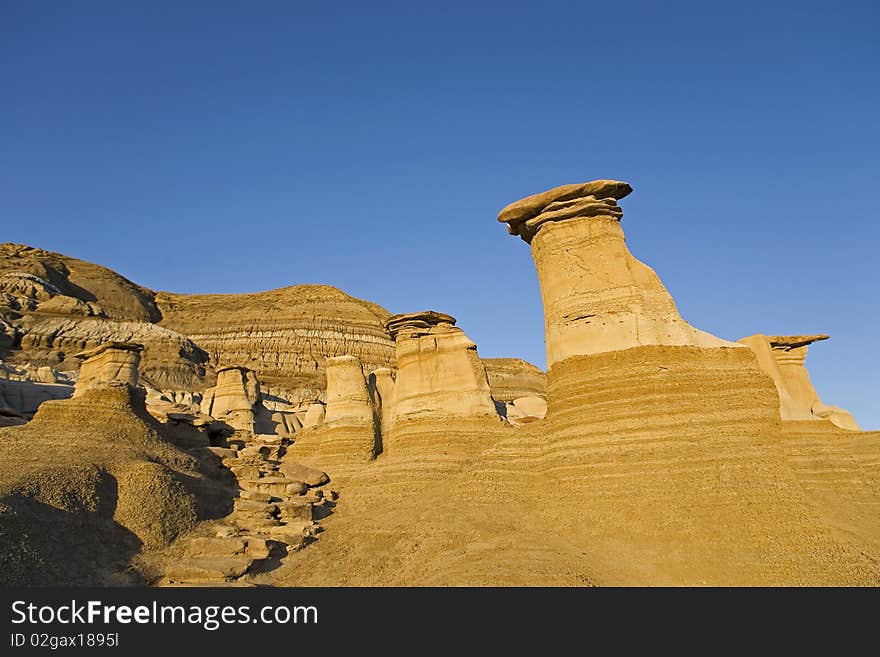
{"x": 53, "y": 306}
{"x": 441, "y": 412}
{"x": 170, "y": 360}
{"x": 33, "y": 277}
{"x": 667, "y": 430}
{"x": 381, "y": 384}
{"x": 109, "y": 363}
{"x": 782, "y": 357}
{"x": 284, "y": 335}
{"x": 597, "y": 296}
{"x": 438, "y": 369}
{"x": 510, "y": 378}
{"x": 349, "y": 429}
{"x": 234, "y": 399}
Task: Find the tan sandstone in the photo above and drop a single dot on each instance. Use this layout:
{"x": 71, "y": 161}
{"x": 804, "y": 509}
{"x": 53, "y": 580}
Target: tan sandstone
{"x": 349, "y": 429}
{"x": 234, "y": 399}
{"x": 597, "y": 296}
{"x": 438, "y": 369}
{"x": 112, "y": 362}
{"x": 782, "y": 357}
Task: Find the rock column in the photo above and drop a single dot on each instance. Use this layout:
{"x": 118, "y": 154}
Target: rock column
{"x": 108, "y": 364}
{"x": 234, "y": 399}
{"x": 782, "y": 357}
{"x": 349, "y": 422}
{"x": 667, "y": 435}
{"x": 597, "y": 296}
{"x": 438, "y": 370}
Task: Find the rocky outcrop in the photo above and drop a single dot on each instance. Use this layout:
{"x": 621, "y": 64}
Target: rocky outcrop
{"x": 88, "y": 484}
{"x": 665, "y": 433}
{"x": 170, "y": 360}
{"x": 24, "y": 387}
{"x": 34, "y": 277}
{"x": 350, "y": 429}
{"x": 381, "y": 385}
{"x": 314, "y": 416}
{"x": 110, "y": 363}
{"x": 52, "y": 306}
{"x": 782, "y": 357}
{"x": 235, "y": 398}
{"x": 597, "y": 297}
{"x": 284, "y": 335}
{"x": 525, "y": 410}
{"x": 510, "y": 378}
{"x": 275, "y": 512}
{"x": 438, "y": 370}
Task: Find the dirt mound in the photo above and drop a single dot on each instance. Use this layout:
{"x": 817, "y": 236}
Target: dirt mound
{"x": 89, "y": 483}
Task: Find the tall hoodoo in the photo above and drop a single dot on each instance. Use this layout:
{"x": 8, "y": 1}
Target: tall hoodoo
{"x": 350, "y": 429}
{"x": 597, "y": 297}
{"x": 348, "y": 399}
{"x": 669, "y": 432}
{"x": 438, "y": 370}
{"x": 235, "y": 399}
{"x": 111, "y": 362}
{"x": 782, "y": 357}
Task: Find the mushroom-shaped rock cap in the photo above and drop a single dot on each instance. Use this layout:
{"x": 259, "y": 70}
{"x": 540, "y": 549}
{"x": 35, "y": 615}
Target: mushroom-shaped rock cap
{"x": 794, "y": 341}
{"x": 565, "y": 202}
{"x": 423, "y": 320}
{"x": 107, "y": 346}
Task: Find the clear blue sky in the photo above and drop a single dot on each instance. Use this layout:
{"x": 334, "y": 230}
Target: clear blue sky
{"x": 230, "y": 147}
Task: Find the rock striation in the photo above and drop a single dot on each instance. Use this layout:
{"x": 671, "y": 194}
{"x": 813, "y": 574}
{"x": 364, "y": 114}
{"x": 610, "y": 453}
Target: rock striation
{"x": 438, "y": 369}
{"x": 782, "y": 357}
{"x": 669, "y": 431}
{"x": 34, "y": 279}
{"x": 53, "y": 306}
{"x": 650, "y": 453}
{"x": 170, "y": 360}
{"x": 350, "y": 428}
{"x": 284, "y": 335}
{"x": 109, "y": 363}
{"x": 510, "y": 378}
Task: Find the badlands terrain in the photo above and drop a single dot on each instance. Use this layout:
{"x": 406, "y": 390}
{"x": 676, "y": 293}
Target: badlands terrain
{"x": 301, "y": 436}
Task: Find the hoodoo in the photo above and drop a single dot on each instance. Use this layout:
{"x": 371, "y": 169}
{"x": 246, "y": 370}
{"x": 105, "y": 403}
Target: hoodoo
{"x": 108, "y": 363}
{"x": 650, "y": 453}
{"x": 782, "y": 357}
{"x": 662, "y": 432}
{"x": 234, "y": 398}
{"x": 349, "y": 428}
{"x": 438, "y": 369}
{"x": 597, "y": 297}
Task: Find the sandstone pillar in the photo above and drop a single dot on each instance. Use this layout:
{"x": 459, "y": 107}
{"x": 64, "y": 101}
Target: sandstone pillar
{"x": 381, "y": 385}
{"x": 782, "y": 357}
{"x": 234, "y": 399}
{"x": 438, "y": 370}
{"x": 347, "y": 398}
{"x": 349, "y": 417}
{"x": 597, "y": 297}
{"x": 108, "y": 363}
{"x": 666, "y": 436}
